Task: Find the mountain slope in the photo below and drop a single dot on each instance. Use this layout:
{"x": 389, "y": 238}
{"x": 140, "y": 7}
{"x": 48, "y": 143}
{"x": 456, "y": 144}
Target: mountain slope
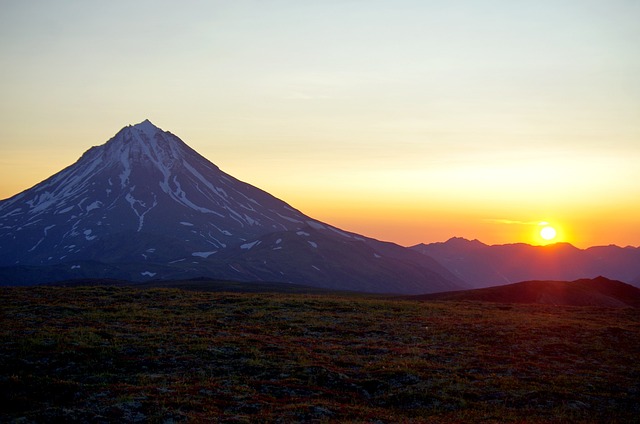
{"x": 145, "y": 205}
{"x": 481, "y": 265}
{"x": 585, "y": 292}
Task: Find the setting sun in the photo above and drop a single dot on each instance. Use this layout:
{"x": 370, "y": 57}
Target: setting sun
{"x": 548, "y": 233}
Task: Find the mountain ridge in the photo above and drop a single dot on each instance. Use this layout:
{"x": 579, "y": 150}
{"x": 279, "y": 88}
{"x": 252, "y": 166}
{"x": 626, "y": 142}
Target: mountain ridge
{"x": 482, "y": 265}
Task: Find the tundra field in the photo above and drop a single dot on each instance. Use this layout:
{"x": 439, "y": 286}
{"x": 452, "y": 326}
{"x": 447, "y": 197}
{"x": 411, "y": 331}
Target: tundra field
{"x": 122, "y": 354}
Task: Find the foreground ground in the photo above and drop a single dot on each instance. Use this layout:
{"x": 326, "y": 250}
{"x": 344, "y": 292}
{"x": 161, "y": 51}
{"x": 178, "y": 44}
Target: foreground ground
{"x": 108, "y": 354}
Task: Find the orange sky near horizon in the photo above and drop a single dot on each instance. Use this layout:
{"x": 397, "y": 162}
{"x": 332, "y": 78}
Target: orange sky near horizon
{"x": 405, "y": 120}
{"x": 410, "y": 214}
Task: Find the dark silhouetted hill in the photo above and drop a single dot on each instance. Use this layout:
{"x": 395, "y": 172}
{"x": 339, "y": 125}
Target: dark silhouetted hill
{"x": 599, "y": 291}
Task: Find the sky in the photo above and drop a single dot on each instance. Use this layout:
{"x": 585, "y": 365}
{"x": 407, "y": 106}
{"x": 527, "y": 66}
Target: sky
{"x": 407, "y": 121}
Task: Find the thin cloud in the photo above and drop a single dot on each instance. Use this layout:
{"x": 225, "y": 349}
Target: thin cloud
{"x": 514, "y": 222}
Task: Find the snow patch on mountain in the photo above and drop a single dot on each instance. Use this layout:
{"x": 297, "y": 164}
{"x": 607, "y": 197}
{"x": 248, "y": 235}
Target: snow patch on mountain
{"x": 140, "y": 208}
{"x": 11, "y": 213}
{"x": 248, "y": 246}
{"x": 316, "y": 225}
{"x": 288, "y": 218}
{"x": 204, "y": 255}
{"x": 36, "y": 245}
{"x": 65, "y": 210}
{"x": 95, "y": 205}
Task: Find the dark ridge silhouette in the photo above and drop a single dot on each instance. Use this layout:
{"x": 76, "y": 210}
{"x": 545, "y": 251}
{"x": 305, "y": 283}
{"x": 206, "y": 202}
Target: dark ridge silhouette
{"x": 481, "y": 265}
{"x": 599, "y": 291}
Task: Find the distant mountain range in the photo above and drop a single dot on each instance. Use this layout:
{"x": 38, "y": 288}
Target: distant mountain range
{"x": 145, "y": 206}
{"x": 481, "y": 265}
{"x": 599, "y": 291}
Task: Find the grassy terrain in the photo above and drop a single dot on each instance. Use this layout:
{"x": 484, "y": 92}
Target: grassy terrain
{"x": 113, "y": 354}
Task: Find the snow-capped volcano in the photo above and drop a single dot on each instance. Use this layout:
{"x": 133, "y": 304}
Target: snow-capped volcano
{"x": 143, "y": 180}
{"x": 148, "y": 200}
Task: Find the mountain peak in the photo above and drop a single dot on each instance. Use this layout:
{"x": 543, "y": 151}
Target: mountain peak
{"x": 461, "y": 241}
{"x": 146, "y": 126}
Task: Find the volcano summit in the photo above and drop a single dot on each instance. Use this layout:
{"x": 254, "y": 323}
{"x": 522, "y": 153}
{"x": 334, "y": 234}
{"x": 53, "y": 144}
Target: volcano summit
{"x": 145, "y": 205}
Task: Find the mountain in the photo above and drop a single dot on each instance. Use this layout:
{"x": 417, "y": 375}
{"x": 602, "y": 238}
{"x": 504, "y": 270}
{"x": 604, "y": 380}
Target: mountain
{"x": 145, "y": 205}
{"x": 481, "y": 265}
{"x": 599, "y": 291}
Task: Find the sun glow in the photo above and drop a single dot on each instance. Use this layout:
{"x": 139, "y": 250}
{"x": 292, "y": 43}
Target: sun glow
{"x": 548, "y": 233}
{"x": 553, "y": 232}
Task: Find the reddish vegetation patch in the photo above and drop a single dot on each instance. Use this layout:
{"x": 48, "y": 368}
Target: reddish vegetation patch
{"x": 107, "y": 354}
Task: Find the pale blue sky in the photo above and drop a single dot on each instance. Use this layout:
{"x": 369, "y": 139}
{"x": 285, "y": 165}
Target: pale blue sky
{"x": 418, "y": 103}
